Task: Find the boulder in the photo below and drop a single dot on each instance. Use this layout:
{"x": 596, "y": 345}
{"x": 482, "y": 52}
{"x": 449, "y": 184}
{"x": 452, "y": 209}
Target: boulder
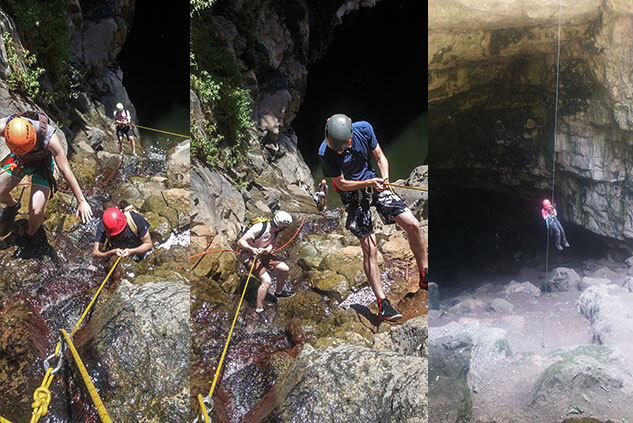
{"x": 351, "y": 383}
{"x": 140, "y": 338}
{"x": 563, "y": 279}
{"x": 517, "y": 288}
{"x": 449, "y": 364}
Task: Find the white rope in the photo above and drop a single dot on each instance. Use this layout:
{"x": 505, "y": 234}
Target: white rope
{"x": 560, "y": 6}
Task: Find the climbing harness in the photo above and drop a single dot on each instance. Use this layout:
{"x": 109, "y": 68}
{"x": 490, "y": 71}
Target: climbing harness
{"x": 560, "y": 5}
{"x": 203, "y": 413}
{"x": 42, "y": 395}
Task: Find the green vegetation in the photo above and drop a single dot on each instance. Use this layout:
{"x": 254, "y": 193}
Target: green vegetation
{"x": 45, "y": 32}
{"x": 23, "y": 79}
{"x": 217, "y": 80}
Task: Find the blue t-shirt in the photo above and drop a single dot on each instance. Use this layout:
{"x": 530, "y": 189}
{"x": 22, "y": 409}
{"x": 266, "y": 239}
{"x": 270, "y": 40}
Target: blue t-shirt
{"x": 355, "y": 162}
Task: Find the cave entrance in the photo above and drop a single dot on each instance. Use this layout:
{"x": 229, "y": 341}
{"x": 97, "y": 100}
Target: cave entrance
{"x": 372, "y": 71}
{"x": 485, "y": 235}
{"x": 155, "y": 64}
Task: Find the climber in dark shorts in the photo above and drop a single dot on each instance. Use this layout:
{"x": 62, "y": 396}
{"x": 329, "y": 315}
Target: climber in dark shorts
{"x": 122, "y": 233}
{"x": 345, "y": 157}
{"x": 35, "y": 149}
{"x": 549, "y": 214}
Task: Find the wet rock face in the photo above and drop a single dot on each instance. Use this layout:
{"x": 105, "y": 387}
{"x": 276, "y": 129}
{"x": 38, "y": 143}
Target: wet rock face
{"x": 491, "y": 90}
{"x": 351, "y": 383}
{"x": 140, "y": 341}
{"x": 23, "y": 346}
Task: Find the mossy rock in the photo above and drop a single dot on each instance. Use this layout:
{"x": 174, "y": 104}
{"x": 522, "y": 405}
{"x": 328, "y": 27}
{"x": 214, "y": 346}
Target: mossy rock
{"x": 307, "y": 306}
{"x": 278, "y": 363}
{"x": 159, "y": 228}
{"x": 330, "y": 283}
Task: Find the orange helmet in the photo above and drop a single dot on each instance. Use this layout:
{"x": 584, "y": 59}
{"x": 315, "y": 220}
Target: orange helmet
{"x": 20, "y": 135}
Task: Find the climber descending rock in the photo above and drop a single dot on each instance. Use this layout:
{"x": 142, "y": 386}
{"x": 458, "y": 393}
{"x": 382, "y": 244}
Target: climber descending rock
{"x": 345, "y": 157}
{"x": 35, "y": 149}
{"x": 320, "y": 196}
{"x": 122, "y": 233}
{"x": 122, "y": 124}
{"x": 551, "y": 221}
{"x": 258, "y": 239}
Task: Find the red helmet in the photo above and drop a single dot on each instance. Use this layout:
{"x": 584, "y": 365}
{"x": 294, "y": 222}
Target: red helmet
{"x": 114, "y": 221}
{"x": 546, "y": 204}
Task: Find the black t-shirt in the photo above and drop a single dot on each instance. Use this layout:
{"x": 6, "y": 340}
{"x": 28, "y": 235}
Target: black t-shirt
{"x": 126, "y": 239}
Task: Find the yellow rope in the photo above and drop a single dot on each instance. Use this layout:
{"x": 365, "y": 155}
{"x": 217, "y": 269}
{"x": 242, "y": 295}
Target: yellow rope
{"x": 205, "y": 415}
{"x": 42, "y": 395}
{"x": 94, "y": 298}
{"x": 228, "y": 339}
{"x": 96, "y": 400}
{"x": 407, "y": 187}
{"x": 3, "y": 420}
{"x": 158, "y": 130}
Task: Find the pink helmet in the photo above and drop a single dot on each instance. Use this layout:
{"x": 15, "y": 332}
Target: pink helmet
{"x": 546, "y": 204}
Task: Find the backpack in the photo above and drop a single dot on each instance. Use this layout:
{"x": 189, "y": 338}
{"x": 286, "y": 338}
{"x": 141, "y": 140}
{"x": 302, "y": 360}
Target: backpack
{"x": 255, "y": 221}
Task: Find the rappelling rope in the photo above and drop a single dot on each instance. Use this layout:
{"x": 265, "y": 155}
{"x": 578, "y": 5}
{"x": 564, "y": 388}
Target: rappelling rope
{"x": 160, "y": 130}
{"x": 3, "y": 420}
{"x": 274, "y": 251}
{"x": 203, "y": 414}
{"x": 560, "y": 6}
{"x": 406, "y": 186}
{"x": 42, "y": 395}
{"x": 96, "y": 400}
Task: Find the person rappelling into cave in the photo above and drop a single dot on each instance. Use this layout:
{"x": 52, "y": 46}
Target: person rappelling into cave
{"x": 320, "y": 196}
{"x": 345, "y": 157}
{"x": 122, "y": 233}
{"x": 122, "y": 124}
{"x": 551, "y": 221}
{"x": 35, "y": 149}
{"x": 258, "y": 240}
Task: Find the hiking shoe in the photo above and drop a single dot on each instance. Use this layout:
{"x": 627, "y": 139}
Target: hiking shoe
{"x": 284, "y": 294}
{"x": 386, "y": 311}
{"x": 559, "y": 247}
{"x": 9, "y": 213}
{"x": 262, "y": 316}
{"x": 7, "y": 217}
{"x": 566, "y": 244}
{"x": 424, "y": 279}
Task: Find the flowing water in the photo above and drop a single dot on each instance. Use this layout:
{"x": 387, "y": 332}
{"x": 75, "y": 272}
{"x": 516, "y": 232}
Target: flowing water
{"x": 48, "y": 289}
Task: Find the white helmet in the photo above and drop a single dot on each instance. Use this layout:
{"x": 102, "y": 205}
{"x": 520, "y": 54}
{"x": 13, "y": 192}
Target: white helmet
{"x": 282, "y": 219}
{"x": 119, "y": 106}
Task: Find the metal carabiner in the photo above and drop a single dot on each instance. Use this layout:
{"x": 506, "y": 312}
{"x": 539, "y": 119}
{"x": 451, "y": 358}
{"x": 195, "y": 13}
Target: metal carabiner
{"x": 208, "y": 401}
{"x": 60, "y": 362}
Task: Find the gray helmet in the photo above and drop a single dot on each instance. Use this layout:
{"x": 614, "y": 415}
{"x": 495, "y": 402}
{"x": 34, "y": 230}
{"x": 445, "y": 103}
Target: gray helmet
{"x": 338, "y": 132}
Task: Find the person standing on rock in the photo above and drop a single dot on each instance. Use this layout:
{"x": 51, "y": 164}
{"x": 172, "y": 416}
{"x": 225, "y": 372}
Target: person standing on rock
{"x": 551, "y": 221}
{"x": 122, "y": 123}
{"x": 35, "y": 149}
{"x": 124, "y": 234}
{"x": 320, "y": 196}
{"x": 258, "y": 240}
{"x": 345, "y": 156}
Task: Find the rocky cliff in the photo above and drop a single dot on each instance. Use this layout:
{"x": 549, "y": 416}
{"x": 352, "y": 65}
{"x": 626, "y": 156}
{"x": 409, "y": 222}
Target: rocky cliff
{"x": 333, "y": 310}
{"x": 492, "y": 79}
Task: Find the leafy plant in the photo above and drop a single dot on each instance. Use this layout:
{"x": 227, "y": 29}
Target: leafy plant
{"x": 23, "y": 79}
